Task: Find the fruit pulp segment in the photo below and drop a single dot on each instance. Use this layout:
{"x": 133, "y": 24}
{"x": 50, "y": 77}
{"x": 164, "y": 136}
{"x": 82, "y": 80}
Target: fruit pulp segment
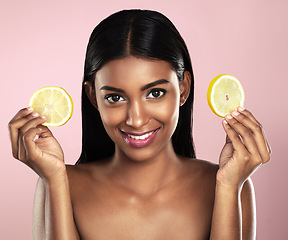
{"x": 226, "y": 96}
{"x": 53, "y": 103}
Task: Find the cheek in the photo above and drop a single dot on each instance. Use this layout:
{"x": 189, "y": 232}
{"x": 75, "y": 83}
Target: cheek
{"x": 111, "y": 117}
{"x": 167, "y": 111}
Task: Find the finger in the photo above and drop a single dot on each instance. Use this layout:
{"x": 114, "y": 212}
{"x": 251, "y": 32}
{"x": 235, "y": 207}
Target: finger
{"x": 249, "y": 115}
{"x": 33, "y": 123}
{"x": 244, "y": 133}
{"x": 234, "y": 138}
{"x": 21, "y": 118}
{"x": 14, "y": 122}
{"x": 45, "y": 132}
{"x": 22, "y": 113}
{"x": 32, "y": 152}
{"x": 256, "y": 128}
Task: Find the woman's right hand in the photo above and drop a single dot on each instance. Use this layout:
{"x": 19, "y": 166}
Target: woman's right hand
{"x": 35, "y": 145}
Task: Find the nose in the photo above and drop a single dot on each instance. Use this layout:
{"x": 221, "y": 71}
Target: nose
{"x": 136, "y": 115}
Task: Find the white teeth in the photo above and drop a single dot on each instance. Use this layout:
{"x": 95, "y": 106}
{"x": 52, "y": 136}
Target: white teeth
{"x": 142, "y": 137}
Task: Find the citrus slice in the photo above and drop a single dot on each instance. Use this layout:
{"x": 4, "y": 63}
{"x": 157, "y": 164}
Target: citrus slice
{"x": 225, "y": 94}
{"x": 54, "y": 103}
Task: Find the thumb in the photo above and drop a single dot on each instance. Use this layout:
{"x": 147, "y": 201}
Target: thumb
{"x": 32, "y": 151}
{"x": 44, "y": 131}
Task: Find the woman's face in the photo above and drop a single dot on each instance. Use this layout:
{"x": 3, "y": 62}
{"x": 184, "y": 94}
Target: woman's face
{"x": 139, "y": 102}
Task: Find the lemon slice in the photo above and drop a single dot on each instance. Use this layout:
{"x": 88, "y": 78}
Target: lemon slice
{"x": 225, "y": 94}
{"x": 54, "y": 103}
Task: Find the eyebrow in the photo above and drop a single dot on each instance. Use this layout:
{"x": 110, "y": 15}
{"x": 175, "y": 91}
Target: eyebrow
{"x": 113, "y": 89}
{"x": 152, "y": 84}
{"x": 149, "y": 85}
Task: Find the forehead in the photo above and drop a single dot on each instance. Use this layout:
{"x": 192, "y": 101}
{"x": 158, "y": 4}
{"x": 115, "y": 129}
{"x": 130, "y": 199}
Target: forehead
{"x": 134, "y": 70}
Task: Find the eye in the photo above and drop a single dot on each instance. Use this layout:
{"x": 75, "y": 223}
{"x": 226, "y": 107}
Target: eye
{"x": 156, "y": 93}
{"x": 113, "y": 98}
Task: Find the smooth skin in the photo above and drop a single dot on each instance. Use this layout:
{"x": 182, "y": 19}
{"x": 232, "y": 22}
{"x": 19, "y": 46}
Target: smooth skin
{"x": 142, "y": 192}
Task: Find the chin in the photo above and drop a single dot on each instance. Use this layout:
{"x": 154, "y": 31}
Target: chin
{"x": 139, "y": 155}
{"x": 142, "y": 154}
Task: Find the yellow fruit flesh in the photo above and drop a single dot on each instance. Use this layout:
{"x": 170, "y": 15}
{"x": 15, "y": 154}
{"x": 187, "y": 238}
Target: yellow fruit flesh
{"x": 53, "y": 103}
{"x": 225, "y": 94}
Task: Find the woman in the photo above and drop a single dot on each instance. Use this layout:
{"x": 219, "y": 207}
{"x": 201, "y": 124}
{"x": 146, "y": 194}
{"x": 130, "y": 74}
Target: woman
{"x": 137, "y": 176}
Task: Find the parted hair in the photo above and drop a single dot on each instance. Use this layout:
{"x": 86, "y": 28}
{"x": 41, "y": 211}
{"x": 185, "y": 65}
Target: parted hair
{"x": 144, "y": 34}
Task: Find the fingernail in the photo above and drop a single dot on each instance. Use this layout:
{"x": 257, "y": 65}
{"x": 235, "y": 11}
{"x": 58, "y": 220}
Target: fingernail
{"x": 241, "y": 109}
{"x": 43, "y": 117}
{"x": 225, "y": 121}
{"x": 30, "y": 109}
{"x": 35, "y": 114}
{"x": 229, "y": 116}
{"x": 235, "y": 113}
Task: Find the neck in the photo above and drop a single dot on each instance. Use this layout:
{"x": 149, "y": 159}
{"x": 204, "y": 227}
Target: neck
{"x": 145, "y": 177}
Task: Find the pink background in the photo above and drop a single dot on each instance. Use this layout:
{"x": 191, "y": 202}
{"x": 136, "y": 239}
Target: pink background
{"x": 43, "y": 43}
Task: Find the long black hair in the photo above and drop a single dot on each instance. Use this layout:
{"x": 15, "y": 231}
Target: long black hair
{"x": 143, "y": 34}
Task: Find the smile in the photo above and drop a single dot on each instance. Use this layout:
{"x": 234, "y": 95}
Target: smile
{"x": 142, "y": 137}
{"x": 139, "y": 140}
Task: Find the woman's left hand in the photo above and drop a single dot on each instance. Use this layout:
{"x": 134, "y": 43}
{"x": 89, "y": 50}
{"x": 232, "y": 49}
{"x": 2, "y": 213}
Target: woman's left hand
{"x": 245, "y": 150}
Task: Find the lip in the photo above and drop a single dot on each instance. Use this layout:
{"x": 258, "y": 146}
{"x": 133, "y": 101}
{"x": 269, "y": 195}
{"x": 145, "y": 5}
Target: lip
{"x": 129, "y": 138}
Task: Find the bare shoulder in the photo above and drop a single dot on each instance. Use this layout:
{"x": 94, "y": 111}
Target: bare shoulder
{"x": 202, "y": 175}
{"x": 85, "y": 170}
{"x": 76, "y": 173}
{"x": 201, "y": 167}
{"x": 85, "y": 177}
{"x": 76, "y": 170}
